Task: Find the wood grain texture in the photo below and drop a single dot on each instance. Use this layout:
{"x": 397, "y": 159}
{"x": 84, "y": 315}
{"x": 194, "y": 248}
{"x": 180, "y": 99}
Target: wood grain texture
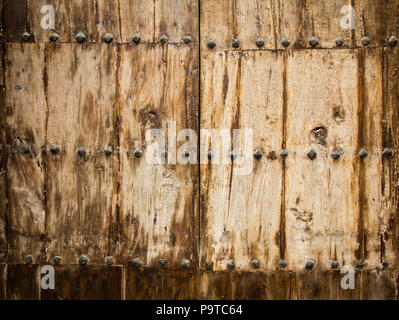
{"x": 3, "y": 281}
{"x": 26, "y": 122}
{"x": 158, "y": 203}
{"x": 23, "y": 282}
{"x": 82, "y": 112}
{"x": 240, "y": 213}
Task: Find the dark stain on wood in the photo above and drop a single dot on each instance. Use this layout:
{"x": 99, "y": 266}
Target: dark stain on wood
{"x": 23, "y": 282}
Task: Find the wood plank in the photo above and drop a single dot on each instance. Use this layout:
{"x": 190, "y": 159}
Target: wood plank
{"x": 158, "y": 203}
{"x": 240, "y": 213}
{"x": 81, "y": 190}
{"x": 25, "y": 138}
{"x": 23, "y": 282}
{"x": 321, "y": 194}
{"x": 3, "y": 281}
{"x": 15, "y": 23}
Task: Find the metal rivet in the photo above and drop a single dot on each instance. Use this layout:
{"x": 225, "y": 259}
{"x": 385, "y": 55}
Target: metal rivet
{"x": 209, "y": 266}
{"x": 387, "y": 153}
{"x": 336, "y": 154}
{"x": 26, "y": 36}
{"x": 80, "y": 37}
{"x": 312, "y": 154}
{"x": 360, "y": 265}
{"x": 211, "y": 44}
{"x": 260, "y": 43}
{"x": 2, "y": 257}
{"x": 209, "y": 154}
{"x": 339, "y": 41}
{"x": 81, "y": 152}
{"x": 185, "y": 264}
{"x": 29, "y": 259}
{"x": 53, "y": 37}
{"x": 162, "y": 263}
{"x": 186, "y": 154}
{"x": 366, "y": 41}
{"x": 136, "y": 38}
{"x": 25, "y": 149}
{"x": 334, "y": 265}
{"x": 163, "y": 39}
{"x": 108, "y": 37}
{"x": 109, "y": 260}
{"x": 108, "y": 151}
{"x": 187, "y": 39}
{"x": 285, "y": 42}
{"x": 309, "y": 265}
{"x": 393, "y": 41}
{"x": 235, "y": 43}
{"x": 137, "y": 262}
{"x": 231, "y": 265}
{"x": 82, "y": 260}
{"x": 283, "y": 153}
{"x": 258, "y": 155}
{"x": 313, "y": 41}
{"x": 282, "y": 264}
{"x": 57, "y": 260}
{"x": 138, "y": 153}
{"x": 385, "y": 264}
{"x": 363, "y": 154}
{"x": 54, "y": 149}
{"x": 233, "y": 155}
{"x": 255, "y": 264}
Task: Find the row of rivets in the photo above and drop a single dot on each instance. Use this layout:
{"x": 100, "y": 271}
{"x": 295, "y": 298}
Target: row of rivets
{"x": 313, "y": 41}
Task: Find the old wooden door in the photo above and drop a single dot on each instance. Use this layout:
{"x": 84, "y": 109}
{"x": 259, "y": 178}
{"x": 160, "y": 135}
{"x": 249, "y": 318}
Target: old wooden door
{"x": 312, "y": 85}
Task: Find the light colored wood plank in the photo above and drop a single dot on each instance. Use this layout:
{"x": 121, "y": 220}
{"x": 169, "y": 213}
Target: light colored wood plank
{"x": 158, "y": 203}
{"x": 81, "y": 191}
{"x": 321, "y": 195}
{"x": 240, "y": 214}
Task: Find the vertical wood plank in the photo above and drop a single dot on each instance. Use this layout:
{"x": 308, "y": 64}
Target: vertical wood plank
{"x": 23, "y": 282}
{"x": 15, "y": 23}
{"x": 81, "y": 189}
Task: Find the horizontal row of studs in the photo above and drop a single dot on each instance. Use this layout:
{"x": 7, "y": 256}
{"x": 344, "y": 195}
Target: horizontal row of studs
{"x": 162, "y": 263}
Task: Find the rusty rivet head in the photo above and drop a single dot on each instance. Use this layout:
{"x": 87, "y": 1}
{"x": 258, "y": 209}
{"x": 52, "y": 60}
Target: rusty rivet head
{"x": 108, "y": 151}
{"x": 29, "y": 259}
{"x": 162, "y": 263}
{"x": 26, "y": 36}
{"x": 209, "y": 266}
{"x": 385, "y": 264}
{"x": 309, "y": 265}
{"x": 393, "y": 41}
{"x": 136, "y": 38}
{"x": 231, "y": 265}
{"x": 387, "y": 153}
{"x": 138, "y": 153}
{"x": 108, "y": 37}
{"x": 137, "y": 262}
{"x": 363, "y": 154}
{"x": 360, "y": 265}
{"x": 187, "y": 39}
{"x": 260, "y": 43}
{"x": 285, "y": 42}
{"x": 186, "y": 154}
{"x": 282, "y": 264}
{"x": 81, "y": 152}
{"x": 255, "y": 264}
{"x": 53, "y": 37}
{"x": 312, "y": 154}
{"x": 258, "y": 155}
{"x": 109, "y": 260}
{"x": 334, "y": 265}
{"x": 163, "y": 39}
{"x": 283, "y": 154}
{"x": 54, "y": 149}
{"x": 209, "y": 154}
{"x": 185, "y": 264}
{"x": 336, "y": 154}
{"x": 82, "y": 260}
{"x": 25, "y": 149}
{"x": 366, "y": 41}
{"x": 235, "y": 43}
{"x": 313, "y": 41}
{"x": 339, "y": 41}
{"x": 80, "y": 37}
{"x": 2, "y": 257}
{"x": 233, "y": 155}
{"x": 57, "y": 260}
{"x": 211, "y": 44}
